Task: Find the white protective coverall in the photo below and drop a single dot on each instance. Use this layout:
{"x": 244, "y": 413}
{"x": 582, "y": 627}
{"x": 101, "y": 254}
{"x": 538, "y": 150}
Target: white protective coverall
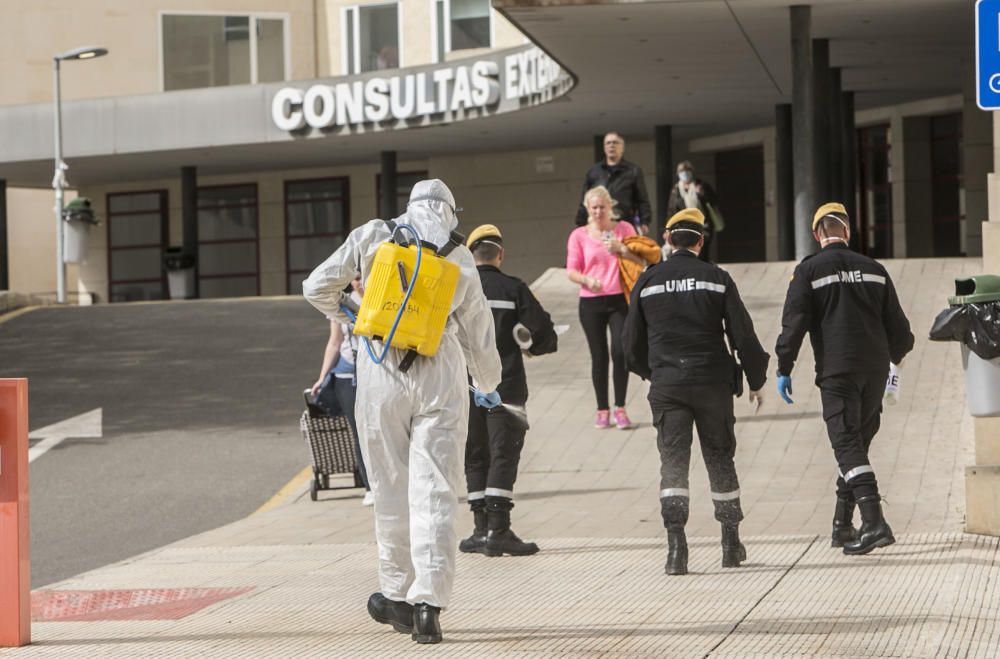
{"x": 413, "y": 425}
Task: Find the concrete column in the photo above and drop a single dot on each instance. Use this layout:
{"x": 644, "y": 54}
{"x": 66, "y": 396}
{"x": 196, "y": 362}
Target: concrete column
{"x": 784, "y": 188}
{"x": 836, "y": 159}
{"x": 822, "y": 120}
{"x": 4, "y": 243}
{"x": 598, "y": 148}
{"x": 849, "y": 164}
{"x": 664, "y": 162}
{"x": 388, "y": 207}
{"x": 804, "y": 157}
{"x": 189, "y": 219}
{"x": 977, "y": 163}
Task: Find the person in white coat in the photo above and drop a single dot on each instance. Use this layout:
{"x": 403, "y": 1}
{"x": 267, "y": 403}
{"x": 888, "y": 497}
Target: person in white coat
{"x": 413, "y": 424}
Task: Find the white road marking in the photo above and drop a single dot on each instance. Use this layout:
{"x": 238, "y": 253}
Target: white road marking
{"x": 88, "y": 424}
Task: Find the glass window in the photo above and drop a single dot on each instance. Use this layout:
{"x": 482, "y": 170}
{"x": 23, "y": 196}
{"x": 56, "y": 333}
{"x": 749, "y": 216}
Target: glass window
{"x": 316, "y": 217}
{"x": 227, "y": 241}
{"x": 270, "y": 50}
{"x": 215, "y": 51}
{"x": 137, "y": 224}
{"x": 470, "y": 24}
{"x": 375, "y": 46}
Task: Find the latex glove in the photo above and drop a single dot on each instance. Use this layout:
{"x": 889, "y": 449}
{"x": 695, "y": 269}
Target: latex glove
{"x": 489, "y": 401}
{"x": 785, "y": 388}
{"x": 756, "y": 400}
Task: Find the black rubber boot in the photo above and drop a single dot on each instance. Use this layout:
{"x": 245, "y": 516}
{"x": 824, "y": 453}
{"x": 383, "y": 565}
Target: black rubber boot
{"x": 476, "y": 543}
{"x": 677, "y": 551}
{"x": 426, "y": 626}
{"x": 500, "y": 539}
{"x": 389, "y": 612}
{"x": 733, "y": 551}
{"x": 874, "y": 532}
{"x": 843, "y": 523}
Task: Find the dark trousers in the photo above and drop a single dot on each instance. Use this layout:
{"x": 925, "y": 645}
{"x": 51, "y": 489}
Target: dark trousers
{"x": 852, "y": 407}
{"x": 346, "y": 394}
{"x": 676, "y": 410}
{"x": 597, "y": 315}
{"x": 492, "y": 452}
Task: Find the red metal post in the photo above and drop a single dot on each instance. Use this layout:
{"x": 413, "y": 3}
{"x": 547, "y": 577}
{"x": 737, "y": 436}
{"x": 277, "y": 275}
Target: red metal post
{"x": 15, "y": 563}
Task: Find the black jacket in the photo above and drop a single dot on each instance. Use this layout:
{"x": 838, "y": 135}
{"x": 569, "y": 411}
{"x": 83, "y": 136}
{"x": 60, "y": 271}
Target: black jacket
{"x": 847, "y": 303}
{"x": 512, "y": 302}
{"x": 680, "y": 311}
{"x": 625, "y": 183}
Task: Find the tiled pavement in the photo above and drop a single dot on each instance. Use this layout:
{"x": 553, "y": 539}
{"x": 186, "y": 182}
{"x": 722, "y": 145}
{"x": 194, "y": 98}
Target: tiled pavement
{"x": 590, "y": 498}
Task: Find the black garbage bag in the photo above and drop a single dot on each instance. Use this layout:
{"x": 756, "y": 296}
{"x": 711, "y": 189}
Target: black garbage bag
{"x": 977, "y": 326}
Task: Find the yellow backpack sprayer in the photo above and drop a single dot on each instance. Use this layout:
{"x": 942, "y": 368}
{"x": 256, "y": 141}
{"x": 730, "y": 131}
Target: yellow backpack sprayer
{"x": 408, "y": 295}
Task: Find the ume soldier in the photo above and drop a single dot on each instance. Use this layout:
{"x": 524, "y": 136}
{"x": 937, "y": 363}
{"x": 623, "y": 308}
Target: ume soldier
{"x": 848, "y": 304}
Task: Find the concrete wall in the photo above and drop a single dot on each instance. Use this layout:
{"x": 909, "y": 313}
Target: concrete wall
{"x": 32, "y": 240}
{"x": 35, "y": 30}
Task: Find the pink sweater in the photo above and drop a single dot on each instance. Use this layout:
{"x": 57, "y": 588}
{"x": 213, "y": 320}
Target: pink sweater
{"x": 590, "y": 257}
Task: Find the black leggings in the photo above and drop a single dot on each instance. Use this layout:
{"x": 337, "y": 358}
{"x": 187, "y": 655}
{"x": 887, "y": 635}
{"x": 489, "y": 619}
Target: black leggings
{"x": 597, "y": 314}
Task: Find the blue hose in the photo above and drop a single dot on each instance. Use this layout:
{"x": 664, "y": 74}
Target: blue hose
{"x": 402, "y": 307}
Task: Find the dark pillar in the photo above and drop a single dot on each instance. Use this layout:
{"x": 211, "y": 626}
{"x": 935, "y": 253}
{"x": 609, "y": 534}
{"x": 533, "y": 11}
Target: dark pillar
{"x": 598, "y": 148}
{"x": 849, "y": 162}
{"x": 189, "y": 219}
{"x": 804, "y": 157}
{"x": 4, "y": 248}
{"x": 388, "y": 184}
{"x": 784, "y": 185}
{"x": 836, "y": 159}
{"x": 821, "y": 126}
{"x": 664, "y": 161}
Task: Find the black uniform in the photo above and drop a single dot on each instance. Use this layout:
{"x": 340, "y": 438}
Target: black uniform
{"x": 681, "y": 313}
{"x": 847, "y": 303}
{"x": 626, "y": 185}
{"x": 495, "y": 439}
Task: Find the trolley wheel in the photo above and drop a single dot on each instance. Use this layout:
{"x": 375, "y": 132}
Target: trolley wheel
{"x": 313, "y": 490}
{"x": 325, "y": 481}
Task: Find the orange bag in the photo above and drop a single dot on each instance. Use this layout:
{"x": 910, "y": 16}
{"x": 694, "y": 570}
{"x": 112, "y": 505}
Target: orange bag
{"x": 629, "y": 271}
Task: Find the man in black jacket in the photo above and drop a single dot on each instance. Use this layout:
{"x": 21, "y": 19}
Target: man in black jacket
{"x": 496, "y": 435}
{"x": 681, "y": 314}
{"x": 624, "y": 180}
{"x": 848, "y": 304}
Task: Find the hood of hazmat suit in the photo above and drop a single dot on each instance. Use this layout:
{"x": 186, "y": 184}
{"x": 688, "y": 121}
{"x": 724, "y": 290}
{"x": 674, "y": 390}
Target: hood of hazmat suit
{"x": 413, "y": 425}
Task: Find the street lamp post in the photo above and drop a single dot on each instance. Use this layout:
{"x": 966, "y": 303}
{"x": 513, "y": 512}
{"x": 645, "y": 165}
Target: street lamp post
{"x": 59, "y": 177}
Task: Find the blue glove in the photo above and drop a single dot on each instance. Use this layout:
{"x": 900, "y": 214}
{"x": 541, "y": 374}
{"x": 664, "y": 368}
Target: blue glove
{"x": 785, "y": 388}
{"x": 489, "y": 401}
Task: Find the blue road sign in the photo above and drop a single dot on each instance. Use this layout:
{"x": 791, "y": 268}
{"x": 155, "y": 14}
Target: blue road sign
{"x": 988, "y": 54}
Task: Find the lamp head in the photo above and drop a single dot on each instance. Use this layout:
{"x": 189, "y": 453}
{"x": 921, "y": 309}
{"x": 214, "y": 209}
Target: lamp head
{"x": 84, "y": 52}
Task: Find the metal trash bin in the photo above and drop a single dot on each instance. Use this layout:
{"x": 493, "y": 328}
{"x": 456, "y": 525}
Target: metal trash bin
{"x": 79, "y": 217}
{"x": 180, "y": 273}
{"x": 974, "y": 319}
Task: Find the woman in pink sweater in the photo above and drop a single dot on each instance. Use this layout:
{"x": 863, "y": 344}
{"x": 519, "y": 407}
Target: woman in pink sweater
{"x": 592, "y": 254}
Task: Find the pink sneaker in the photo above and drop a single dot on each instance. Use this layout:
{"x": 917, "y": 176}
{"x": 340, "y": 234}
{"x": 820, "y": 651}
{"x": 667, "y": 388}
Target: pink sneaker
{"x": 622, "y": 420}
{"x": 603, "y": 419}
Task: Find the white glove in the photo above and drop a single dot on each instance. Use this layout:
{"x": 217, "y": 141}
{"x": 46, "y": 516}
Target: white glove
{"x": 756, "y": 399}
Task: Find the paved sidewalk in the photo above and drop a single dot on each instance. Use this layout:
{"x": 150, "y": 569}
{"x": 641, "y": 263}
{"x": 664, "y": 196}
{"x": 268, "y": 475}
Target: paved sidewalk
{"x": 293, "y": 581}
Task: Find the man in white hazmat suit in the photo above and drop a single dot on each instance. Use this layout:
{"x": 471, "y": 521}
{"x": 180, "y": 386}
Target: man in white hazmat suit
{"x": 413, "y": 424}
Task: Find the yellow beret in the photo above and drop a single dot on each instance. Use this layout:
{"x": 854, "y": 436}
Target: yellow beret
{"x": 687, "y": 215}
{"x": 828, "y": 209}
{"x": 483, "y": 231}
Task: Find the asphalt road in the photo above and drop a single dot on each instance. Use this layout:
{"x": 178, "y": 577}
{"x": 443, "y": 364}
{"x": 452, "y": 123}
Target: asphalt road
{"x": 200, "y": 401}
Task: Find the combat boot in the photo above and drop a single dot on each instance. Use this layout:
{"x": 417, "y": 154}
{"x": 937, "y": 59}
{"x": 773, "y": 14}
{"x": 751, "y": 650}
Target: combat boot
{"x": 390, "y": 612}
{"x": 476, "y": 543}
{"x": 843, "y": 523}
{"x": 677, "y": 551}
{"x": 874, "y": 532}
{"x": 733, "y": 551}
{"x": 426, "y": 626}
{"x": 500, "y": 539}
